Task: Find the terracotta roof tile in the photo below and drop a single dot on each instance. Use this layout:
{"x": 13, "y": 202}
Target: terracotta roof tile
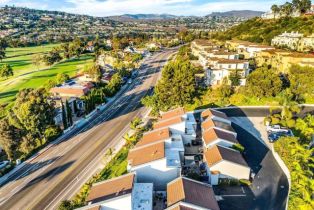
{"x": 111, "y": 188}
{"x": 172, "y": 113}
{"x": 70, "y": 91}
{"x": 181, "y": 206}
{"x": 168, "y": 122}
{"x": 154, "y": 136}
{"x": 193, "y": 192}
{"x": 211, "y": 112}
{"x": 213, "y": 134}
{"x": 231, "y": 61}
{"x": 146, "y": 154}
{"x": 209, "y": 123}
{"x": 216, "y": 154}
{"x": 95, "y": 208}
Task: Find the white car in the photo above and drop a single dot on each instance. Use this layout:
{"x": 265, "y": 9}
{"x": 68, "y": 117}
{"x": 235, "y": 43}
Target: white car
{"x": 130, "y": 81}
{"x": 276, "y": 128}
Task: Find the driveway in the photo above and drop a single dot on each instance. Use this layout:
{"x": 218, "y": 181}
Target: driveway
{"x": 269, "y": 189}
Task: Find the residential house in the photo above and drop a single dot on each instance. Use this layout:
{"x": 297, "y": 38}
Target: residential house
{"x": 90, "y": 46}
{"x": 158, "y": 162}
{"x": 271, "y": 15}
{"x": 162, "y": 135}
{"x": 294, "y": 41}
{"x": 71, "y": 88}
{"x": 289, "y": 40}
{"x": 121, "y": 193}
{"x": 214, "y": 136}
{"x": 245, "y": 48}
{"x": 215, "y": 115}
{"x": 225, "y": 163}
{"x": 222, "y": 68}
{"x": 72, "y": 91}
{"x": 282, "y": 60}
{"x": 307, "y": 43}
{"x": 203, "y": 49}
{"x": 188, "y": 194}
{"x": 221, "y": 125}
{"x": 179, "y": 122}
{"x": 311, "y": 11}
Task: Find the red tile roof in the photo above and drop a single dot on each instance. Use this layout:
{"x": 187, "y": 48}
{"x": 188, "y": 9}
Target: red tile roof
{"x": 215, "y": 154}
{"x": 111, "y": 188}
{"x": 211, "y": 113}
{"x": 168, "y": 122}
{"x": 172, "y": 113}
{"x": 154, "y": 136}
{"x": 213, "y": 134}
{"x": 190, "y": 191}
{"x": 146, "y": 153}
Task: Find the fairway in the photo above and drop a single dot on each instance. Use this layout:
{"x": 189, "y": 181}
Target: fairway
{"x": 21, "y": 58}
{"x": 37, "y": 79}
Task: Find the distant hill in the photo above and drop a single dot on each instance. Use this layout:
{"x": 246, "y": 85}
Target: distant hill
{"x": 143, "y": 17}
{"x": 263, "y": 31}
{"x": 238, "y": 13}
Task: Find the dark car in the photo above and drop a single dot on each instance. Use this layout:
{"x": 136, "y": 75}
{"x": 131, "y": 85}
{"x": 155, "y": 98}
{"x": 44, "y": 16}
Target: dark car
{"x": 272, "y": 137}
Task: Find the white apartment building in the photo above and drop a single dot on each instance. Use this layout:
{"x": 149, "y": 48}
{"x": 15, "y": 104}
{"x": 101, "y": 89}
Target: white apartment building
{"x": 222, "y": 68}
{"x": 289, "y": 40}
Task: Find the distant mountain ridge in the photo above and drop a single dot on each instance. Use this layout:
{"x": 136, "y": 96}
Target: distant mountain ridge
{"x": 149, "y": 16}
{"x": 238, "y": 13}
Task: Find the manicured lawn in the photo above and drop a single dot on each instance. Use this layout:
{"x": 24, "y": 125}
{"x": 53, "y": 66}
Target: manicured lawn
{"x": 21, "y": 58}
{"x": 37, "y": 79}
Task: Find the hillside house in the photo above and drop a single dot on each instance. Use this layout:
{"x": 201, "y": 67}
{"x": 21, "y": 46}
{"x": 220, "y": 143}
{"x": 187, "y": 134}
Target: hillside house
{"x": 178, "y": 121}
{"x": 214, "y": 136}
{"x": 225, "y": 163}
{"x": 121, "y": 193}
{"x": 282, "y": 60}
{"x": 222, "y": 68}
{"x": 188, "y": 194}
{"x": 157, "y": 163}
{"x": 215, "y": 115}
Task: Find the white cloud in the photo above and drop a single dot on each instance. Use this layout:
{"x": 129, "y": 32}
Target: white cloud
{"x": 177, "y": 7}
{"x": 118, "y": 7}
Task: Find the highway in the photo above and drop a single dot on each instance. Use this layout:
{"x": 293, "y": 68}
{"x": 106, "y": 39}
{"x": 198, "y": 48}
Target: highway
{"x": 57, "y": 173}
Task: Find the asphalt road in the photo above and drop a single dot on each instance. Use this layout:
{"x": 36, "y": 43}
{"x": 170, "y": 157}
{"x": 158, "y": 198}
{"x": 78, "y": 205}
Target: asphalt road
{"x": 59, "y": 171}
{"x": 269, "y": 189}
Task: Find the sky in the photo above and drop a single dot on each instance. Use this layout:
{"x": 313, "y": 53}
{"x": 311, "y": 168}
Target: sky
{"x": 103, "y": 8}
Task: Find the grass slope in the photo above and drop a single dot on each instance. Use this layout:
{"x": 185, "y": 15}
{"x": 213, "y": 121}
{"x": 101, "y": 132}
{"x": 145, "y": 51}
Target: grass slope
{"x": 21, "y": 58}
{"x": 37, "y": 79}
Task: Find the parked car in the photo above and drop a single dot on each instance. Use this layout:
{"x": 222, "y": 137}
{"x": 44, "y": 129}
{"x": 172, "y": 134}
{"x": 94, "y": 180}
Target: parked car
{"x": 276, "y": 128}
{"x": 3, "y": 164}
{"x": 274, "y": 136}
{"x": 130, "y": 81}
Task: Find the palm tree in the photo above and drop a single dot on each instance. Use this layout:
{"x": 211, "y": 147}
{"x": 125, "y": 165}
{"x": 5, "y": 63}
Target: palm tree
{"x": 287, "y": 9}
{"x": 109, "y": 152}
{"x": 130, "y": 140}
{"x": 275, "y": 9}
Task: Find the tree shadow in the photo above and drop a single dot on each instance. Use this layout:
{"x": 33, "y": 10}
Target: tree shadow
{"x": 28, "y": 169}
{"x": 270, "y": 184}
